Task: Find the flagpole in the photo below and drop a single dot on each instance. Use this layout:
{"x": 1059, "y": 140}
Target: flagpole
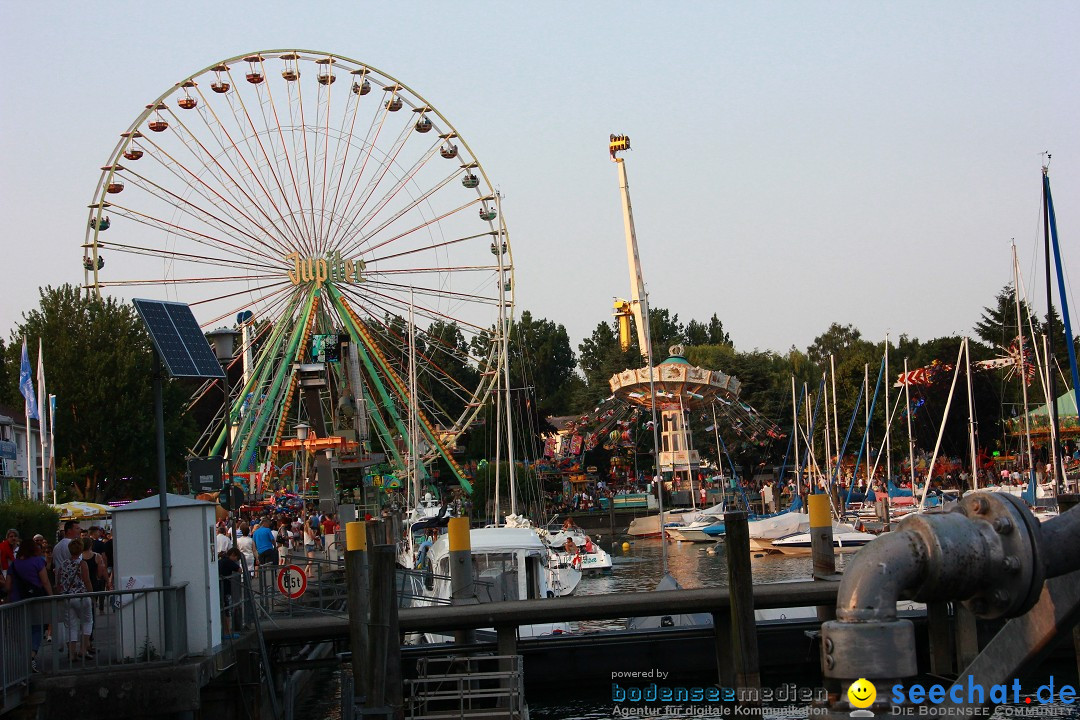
{"x": 52, "y": 445}
{"x": 42, "y": 399}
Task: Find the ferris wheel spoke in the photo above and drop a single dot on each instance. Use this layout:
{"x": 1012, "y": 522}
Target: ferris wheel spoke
{"x": 307, "y": 164}
{"x": 386, "y": 301}
{"x": 437, "y": 269}
{"x": 199, "y": 188}
{"x": 347, "y": 227}
{"x": 289, "y": 164}
{"x": 427, "y": 223}
{"x": 426, "y": 248}
{"x": 272, "y": 301}
{"x": 212, "y": 241}
{"x": 434, "y": 292}
{"x": 217, "y": 129}
{"x": 308, "y": 240}
{"x": 240, "y": 195}
{"x": 343, "y": 144}
{"x": 191, "y": 281}
{"x": 326, "y": 146}
{"x": 184, "y": 257}
{"x": 378, "y": 122}
{"x": 389, "y": 162}
{"x": 248, "y": 132}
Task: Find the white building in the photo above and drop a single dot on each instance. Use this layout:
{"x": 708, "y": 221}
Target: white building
{"x": 13, "y": 453}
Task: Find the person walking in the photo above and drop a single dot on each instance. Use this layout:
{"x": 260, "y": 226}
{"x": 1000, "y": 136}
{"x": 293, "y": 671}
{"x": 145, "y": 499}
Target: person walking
{"x": 73, "y": 578}
{"x": 246, "y": 546}
{"x": 28, "y": 578}
{"x": 265, "y": 544}
{"x": 311, "y": 534}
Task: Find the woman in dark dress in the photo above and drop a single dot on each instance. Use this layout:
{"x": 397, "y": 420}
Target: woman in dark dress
{"x": 27, "y": 578}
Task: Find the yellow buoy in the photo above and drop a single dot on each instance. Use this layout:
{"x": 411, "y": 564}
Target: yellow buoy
{"x": 625, "y": 546}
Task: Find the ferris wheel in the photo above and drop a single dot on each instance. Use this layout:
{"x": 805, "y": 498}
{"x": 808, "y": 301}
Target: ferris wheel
{"x": 304, "y": 194}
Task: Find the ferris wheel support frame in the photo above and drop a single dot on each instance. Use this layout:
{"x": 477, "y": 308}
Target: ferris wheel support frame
{"x": 371, "y": 351}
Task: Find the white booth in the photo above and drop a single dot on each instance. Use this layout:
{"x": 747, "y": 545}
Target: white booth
{"x": 137, "y": 564}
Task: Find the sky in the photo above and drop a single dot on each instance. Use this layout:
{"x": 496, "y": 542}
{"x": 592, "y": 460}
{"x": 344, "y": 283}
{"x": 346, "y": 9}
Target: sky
{"x": 793, "y": 164}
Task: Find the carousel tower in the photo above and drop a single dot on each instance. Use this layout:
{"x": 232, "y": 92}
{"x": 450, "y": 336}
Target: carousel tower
{"x": 678, "y": 387}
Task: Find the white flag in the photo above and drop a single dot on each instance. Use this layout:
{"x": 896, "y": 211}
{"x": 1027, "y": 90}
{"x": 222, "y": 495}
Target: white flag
{"x": 42, "y": 400}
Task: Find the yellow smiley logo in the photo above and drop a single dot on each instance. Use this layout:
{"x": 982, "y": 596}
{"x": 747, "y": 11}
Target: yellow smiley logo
{"x": 862, "y": 693}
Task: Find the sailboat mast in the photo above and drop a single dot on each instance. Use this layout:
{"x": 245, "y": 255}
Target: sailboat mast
{"x": 828, "y": 444}
{"x": 1052, "y": 402}
{"x": 794, "y": 432}
{"x": 414, "y": 440}
{"x": 1050, "y": 358}
{"x": 888, "y": 419}
{"x": 971, "y": 418}
{"x": 504, "y": 324}
{"x": 1051, "y": 221}
{"x": 1022, "y": 368}
{"x": 866, "y": 399}
{"x": 910, "y": 440}
{"x": 835, "y": 419}
{"x": 941, "y": 431}
{"x": 498, "y": 437}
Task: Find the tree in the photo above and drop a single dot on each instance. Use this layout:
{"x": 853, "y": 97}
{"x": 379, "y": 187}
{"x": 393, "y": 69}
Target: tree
{"x": 712, "y": 334}
{"x": 836, "y": 340}
{"x": 997, "y": 325}
{"x": 449, "y": 377}
{"x": 99, "y": 363}
{"x": 541, "y": 358}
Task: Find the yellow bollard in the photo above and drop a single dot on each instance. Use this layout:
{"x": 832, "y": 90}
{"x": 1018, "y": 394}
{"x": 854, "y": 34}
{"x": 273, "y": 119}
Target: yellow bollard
{"x": 355, "y": 536}
{"x": 458, "y": 529}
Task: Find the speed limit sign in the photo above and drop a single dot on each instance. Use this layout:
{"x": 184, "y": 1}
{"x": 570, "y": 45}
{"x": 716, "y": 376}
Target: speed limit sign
{"x": 291, "y": 581}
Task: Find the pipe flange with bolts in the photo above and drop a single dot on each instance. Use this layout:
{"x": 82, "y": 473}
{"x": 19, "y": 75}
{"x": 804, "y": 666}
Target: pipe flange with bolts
{"x": 984, "y": 552}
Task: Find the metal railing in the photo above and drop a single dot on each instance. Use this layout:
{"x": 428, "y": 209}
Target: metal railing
{"x": 129, "y": 627}
{"x": 488, "y": 686}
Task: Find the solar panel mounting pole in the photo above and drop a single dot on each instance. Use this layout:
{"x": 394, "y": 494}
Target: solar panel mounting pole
{"x": 159, "y": 422}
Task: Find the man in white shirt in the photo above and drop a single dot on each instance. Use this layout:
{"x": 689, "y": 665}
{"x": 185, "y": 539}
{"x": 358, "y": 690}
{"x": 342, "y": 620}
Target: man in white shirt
{"x": 60, "y": 550}
{"x": 222, "y": 541}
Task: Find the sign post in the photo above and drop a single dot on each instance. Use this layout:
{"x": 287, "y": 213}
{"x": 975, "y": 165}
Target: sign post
{"x": 291, "y": 581}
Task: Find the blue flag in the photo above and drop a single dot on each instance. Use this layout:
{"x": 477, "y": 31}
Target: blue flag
{"x": 26, "y": 385}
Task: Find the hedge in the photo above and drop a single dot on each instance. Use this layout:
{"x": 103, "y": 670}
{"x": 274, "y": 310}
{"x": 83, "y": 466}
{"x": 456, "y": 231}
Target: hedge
{"x": 29, "y": 518}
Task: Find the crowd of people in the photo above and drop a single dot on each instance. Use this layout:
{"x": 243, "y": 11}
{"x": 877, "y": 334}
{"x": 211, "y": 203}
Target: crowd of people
{"x": 81, "y": 561}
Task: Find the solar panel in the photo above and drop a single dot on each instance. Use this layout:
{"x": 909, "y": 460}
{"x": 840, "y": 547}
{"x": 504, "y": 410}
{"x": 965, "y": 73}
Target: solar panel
{"x": 179, "y": 339}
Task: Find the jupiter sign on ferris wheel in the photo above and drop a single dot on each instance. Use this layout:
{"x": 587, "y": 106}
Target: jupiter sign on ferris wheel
{"x": 322, "y": 195}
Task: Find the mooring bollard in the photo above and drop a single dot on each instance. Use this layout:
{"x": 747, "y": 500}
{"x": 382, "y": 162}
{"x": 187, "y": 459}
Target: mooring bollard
{"x": 383, "y": 673}
{"x": 356, "y": 582}
{"x": 821, "y": 546}
{"x": 462, "y": 586}
{"x": 744, "y": 648}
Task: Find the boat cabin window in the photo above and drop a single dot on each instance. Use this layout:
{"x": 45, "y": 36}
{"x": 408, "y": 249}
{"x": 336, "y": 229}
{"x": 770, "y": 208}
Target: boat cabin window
{"x": 491, "y": 565}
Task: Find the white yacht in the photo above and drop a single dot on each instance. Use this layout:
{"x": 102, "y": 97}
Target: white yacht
{"x": 586, "y": 555}
{"x": 508, "y": 564}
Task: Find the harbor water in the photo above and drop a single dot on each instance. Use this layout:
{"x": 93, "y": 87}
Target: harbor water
{"x": 639, "y": 568}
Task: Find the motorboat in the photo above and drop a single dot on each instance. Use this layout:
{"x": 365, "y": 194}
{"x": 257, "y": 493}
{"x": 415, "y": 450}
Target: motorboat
{"x": 508, "y": 564}
{"x": 695, "y": 531}
{"x": 649, "y": 525}
{"x": 564, "y": 568}
{"x": 843, "y": 541}
{"x": 582, "y": 553}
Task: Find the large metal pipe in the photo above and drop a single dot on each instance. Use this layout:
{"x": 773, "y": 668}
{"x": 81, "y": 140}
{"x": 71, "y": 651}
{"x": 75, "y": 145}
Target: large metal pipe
{"x": 985, "y": 553}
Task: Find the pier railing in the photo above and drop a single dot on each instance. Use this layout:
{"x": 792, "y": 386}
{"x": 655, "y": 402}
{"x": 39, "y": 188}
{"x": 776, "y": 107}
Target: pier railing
{"x": 130, "y": 627}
